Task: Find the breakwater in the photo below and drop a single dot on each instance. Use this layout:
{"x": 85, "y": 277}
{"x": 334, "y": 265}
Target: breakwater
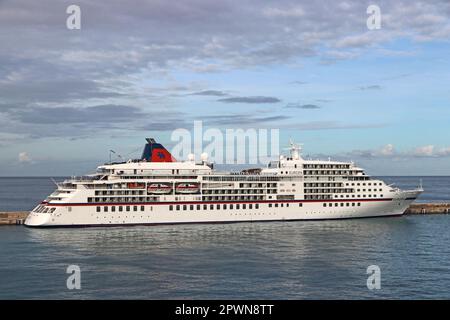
{"x": 16, "y": 217}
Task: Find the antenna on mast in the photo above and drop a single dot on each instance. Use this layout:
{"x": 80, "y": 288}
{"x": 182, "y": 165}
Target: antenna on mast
{"x": 295, "y": 149}
{"x": 110, "y": 156}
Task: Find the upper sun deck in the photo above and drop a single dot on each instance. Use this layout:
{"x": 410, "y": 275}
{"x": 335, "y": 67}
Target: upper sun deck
{"x": 155, "y": 168}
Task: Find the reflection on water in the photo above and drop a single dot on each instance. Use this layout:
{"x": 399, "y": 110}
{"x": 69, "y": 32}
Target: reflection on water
{"x": 292, "y": 260}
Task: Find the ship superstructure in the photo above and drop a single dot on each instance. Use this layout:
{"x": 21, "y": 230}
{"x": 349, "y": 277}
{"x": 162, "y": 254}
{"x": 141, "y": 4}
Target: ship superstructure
{"x": 158, "y": 189}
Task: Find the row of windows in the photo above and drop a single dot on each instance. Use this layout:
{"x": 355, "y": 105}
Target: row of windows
{"x": 257, "y": 185}
{"x": 124, "y": 199}
{"x": 361, "y": 196}
{"x": 342, "y": 204}
{"x": 122, "y": 208}
{"x": 323, "y": 185}
{"x": 241, "y": 178}
{"x": 233, "y": 198}
{"x": 237, "y": 191}
{"x": 330, "y": 172}
{"x": 318, "y": 197}
{"x": 369, "y": 184}
{"x": 328, "y": 190}
{"x": 121, "y": 192}
{"x": 358, "y": 178}
{"x": 326, "y": 166}
{"x": 225, "y": 206}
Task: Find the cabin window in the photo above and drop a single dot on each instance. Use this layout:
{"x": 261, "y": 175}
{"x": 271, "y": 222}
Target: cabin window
{"x": 120, "y": 208}
{"x": 178, "y": 207}
{"x": 257, "y": 206}
{"x": 134, "y": 208}
{"x": 237, "y": 206}
{"x": 184, "y": 207}
{"x": 211, "y": 207}
{"x": 231, "y": 206}
{"x": 113, "y": 209}
{"x": 198, "y": 207}
{"x": 205, "y": 207}
{"x": 171, "y": 208}
{"x": 142, "y": 208}
{"x": 250, "y": 206}
{"x": 191, "y": 207}
{"x": 225, "y": 207}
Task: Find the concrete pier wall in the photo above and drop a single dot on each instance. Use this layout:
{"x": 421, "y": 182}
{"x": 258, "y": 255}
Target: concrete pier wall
{"x": 17, "y": 217}
{"x": 428, "y": 208}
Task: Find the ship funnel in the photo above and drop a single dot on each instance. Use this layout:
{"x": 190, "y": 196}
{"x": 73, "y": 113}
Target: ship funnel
{"x": 155, "y": 152}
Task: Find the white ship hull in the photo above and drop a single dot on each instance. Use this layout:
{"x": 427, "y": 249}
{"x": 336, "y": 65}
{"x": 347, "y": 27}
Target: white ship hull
{"x": 289, "y": 189}
{"x": 86, "y": 215}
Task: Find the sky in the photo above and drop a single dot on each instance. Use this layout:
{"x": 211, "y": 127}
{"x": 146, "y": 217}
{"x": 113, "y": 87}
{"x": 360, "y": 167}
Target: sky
{"x": 311, "y": 69}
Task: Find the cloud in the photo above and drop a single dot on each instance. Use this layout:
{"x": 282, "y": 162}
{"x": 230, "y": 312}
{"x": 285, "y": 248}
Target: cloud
{"x": 24, "y": 157}
{"x": 298, "y": 82}
{"x": 287, "y": 12}
{"x": 73, "y": 115}
{"x": 371, "y": 87}
{"x": 117, "y": 57}
{"x": 330, "y": 125}
{"x": 301, "y": 106}
{"x": 389, "y": 151}
{"x": 214, "y": 93}
{"x": 424, "y": 151}
{"x": 242, "y": 120}
{"x": 254, "y": 99}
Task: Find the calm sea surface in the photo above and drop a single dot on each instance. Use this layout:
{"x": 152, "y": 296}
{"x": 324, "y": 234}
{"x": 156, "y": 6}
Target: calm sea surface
{"x": 276, "y": 260}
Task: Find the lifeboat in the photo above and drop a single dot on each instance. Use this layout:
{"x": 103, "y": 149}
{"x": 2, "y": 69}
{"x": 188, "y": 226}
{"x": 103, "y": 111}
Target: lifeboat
{"x": 135, "y": 185}
{"x": 187, "y": 188}
{"x": 159, "y": 188}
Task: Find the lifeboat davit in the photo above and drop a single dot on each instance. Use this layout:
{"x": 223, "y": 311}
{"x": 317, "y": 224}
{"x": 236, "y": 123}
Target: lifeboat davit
{"x": 187, "y": 188}
{"x": 159, "y": 188}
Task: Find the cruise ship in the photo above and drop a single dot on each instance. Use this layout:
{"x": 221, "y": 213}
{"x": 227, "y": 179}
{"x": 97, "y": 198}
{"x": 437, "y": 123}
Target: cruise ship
{"x": 158, "y": 189}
